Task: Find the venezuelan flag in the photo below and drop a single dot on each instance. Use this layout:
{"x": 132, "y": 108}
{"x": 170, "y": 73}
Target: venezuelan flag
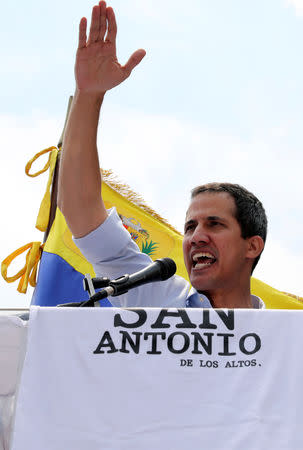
{"x": 63, "y": 267}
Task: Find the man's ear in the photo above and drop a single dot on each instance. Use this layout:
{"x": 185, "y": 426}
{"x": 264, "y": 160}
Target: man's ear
{"x": 255, "y": 245}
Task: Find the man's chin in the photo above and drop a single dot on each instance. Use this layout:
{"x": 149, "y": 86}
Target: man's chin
{"x": 201, "y": 279}
{"x": 201, "y": 285}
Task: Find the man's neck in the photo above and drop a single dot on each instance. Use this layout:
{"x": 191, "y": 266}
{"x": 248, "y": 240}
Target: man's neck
{"x": 233, "y": 299}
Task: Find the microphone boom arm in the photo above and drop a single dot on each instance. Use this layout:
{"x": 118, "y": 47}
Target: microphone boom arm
{"x": 159, "y": 270}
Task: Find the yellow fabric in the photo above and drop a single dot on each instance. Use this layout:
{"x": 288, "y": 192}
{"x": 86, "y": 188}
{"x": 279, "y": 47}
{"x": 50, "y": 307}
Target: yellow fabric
{"x": 32, "y": 160}
{"x": 28, "y": 273}
{"x": 59, "y": 242}
{"x": 273, "y": 298}
{"x": 44, "y": 210}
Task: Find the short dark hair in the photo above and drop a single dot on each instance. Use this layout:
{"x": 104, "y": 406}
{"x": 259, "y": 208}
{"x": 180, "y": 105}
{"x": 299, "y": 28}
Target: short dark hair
{"x": 250, "y": 212}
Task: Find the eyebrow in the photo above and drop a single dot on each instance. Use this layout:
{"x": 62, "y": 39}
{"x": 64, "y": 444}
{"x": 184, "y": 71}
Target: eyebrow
{"x": 215, "y": 218}
{"x": 210, "y": 218}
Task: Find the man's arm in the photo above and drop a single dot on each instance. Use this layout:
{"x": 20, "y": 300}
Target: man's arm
{"x": 96, "y": 70}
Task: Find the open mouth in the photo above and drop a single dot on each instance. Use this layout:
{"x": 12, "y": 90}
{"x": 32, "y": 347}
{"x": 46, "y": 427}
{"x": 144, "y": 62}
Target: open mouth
{"x": 202, "y": 260}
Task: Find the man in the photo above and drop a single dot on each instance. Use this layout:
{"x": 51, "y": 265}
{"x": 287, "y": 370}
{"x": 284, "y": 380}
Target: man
{"x": 220, "y": 248}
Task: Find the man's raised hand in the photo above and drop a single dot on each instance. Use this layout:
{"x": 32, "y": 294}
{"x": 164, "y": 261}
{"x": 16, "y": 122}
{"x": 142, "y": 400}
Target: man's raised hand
{"x": 97, "y": 69}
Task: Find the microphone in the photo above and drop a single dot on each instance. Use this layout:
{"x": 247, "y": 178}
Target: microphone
{"x": 159, "y": 270}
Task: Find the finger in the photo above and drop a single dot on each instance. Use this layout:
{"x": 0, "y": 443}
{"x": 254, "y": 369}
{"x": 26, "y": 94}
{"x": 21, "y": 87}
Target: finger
{"x": 82, "y": 33}
{"x": 94, "y": 25}
{"x": 134, "y": 60}
{"x": 112, "y": 25}
{"x": 102, "y": 31}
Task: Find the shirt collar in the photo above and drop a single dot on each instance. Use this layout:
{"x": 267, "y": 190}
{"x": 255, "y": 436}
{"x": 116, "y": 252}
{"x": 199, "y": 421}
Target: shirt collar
{"x": 196, "y": 300}
{"x": 257, "y": 302}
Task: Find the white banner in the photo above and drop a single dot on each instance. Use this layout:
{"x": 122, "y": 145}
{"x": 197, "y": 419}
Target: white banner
{"x": 152, "y": 379}
{"x": 12, "y": 347}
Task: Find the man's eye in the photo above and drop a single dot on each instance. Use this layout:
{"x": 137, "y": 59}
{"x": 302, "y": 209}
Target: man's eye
{"x": 214, "y": 223}
{"x": 188, "y": 228}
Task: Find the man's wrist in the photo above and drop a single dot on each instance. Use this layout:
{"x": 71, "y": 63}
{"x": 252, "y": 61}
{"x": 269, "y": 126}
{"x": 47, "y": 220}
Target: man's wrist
{"x": 93, "y": 98}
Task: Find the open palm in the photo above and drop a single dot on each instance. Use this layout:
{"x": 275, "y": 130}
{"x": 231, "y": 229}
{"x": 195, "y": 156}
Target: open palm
{"x": 97, "y": 69}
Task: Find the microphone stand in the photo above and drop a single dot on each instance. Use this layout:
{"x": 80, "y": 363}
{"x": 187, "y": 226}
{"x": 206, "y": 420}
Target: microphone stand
{"x": 159, "y": 270}
{"x": 90, "y": 284}
{"x": 113, "y": 288}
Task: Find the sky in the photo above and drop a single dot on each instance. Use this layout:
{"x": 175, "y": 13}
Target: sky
{"x": 218, "y": 97}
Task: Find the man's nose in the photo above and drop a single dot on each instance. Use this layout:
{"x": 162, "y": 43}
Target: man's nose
{"x": 200, "y": 236}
